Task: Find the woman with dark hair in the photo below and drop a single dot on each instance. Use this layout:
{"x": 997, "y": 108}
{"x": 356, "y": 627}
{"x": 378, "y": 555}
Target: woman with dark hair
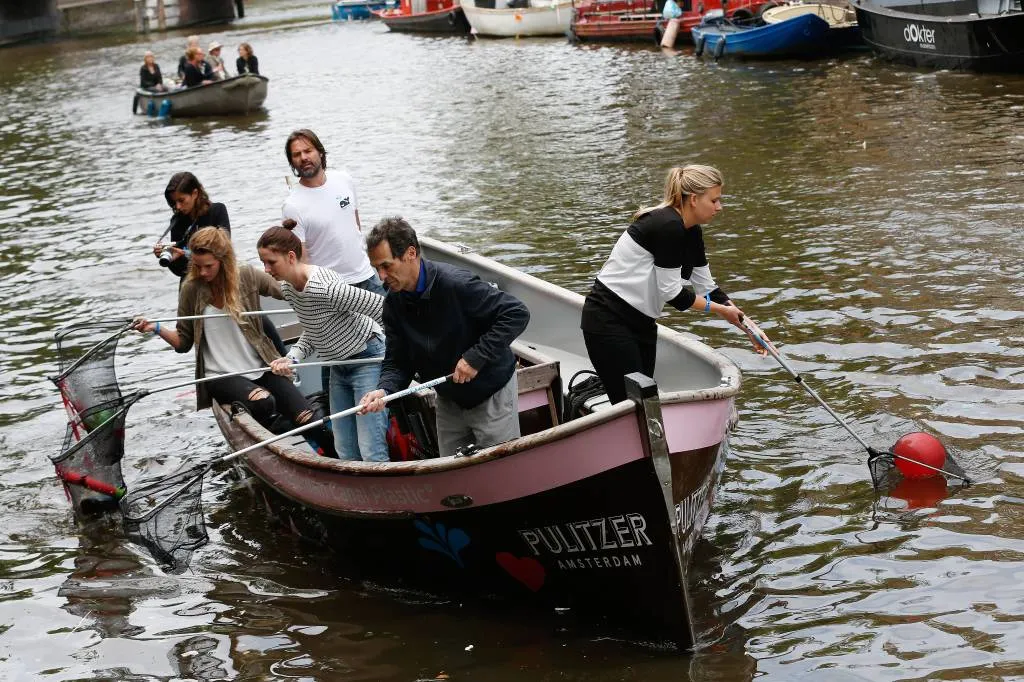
{"x": 247, "y": 62}
{"x": 339, "y": 322}
{"x": 192, "y": 211}
{"x": 217, "y": 285}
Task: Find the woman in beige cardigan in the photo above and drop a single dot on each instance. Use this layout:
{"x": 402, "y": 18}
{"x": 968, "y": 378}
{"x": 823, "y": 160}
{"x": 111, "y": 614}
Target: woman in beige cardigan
{"x": 217, "y": 285}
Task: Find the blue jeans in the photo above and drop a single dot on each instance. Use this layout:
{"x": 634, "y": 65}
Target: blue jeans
{"x": 371, "y": 283}
{"x": 359, "y": 437}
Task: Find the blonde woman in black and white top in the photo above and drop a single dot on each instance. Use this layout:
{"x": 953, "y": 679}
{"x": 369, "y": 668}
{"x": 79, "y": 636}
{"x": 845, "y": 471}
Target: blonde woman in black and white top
{"x": 339, "y": 322}
{"x": 649, "y": 267}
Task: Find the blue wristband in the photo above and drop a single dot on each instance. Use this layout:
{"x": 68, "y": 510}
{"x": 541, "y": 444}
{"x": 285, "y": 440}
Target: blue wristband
{"x": 188, "y": 252}
{"x": 156, "y": 329}
{"x": 707, "y": 302}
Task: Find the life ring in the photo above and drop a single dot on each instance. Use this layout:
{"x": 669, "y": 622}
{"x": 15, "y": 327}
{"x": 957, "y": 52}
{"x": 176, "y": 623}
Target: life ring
{"x": 719, "y": 48}
{"x": 766, "y": 6}
{"x": 698, "y": 50}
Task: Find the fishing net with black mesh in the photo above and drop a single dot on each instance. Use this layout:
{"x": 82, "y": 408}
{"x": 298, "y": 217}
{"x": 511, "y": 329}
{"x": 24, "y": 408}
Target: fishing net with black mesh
{"x": 86, "y": 359}
{"x": 959, "y": 467}
{"x": 166, "y": 516}
{"x": 89, "y": 463}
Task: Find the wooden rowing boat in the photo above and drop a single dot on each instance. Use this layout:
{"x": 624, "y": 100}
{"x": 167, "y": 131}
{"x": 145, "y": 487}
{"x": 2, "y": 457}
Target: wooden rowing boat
{"x": 233, "y": 96}
{"x": 599, "y": 514}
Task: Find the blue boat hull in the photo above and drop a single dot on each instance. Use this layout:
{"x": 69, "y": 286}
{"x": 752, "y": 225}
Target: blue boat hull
{"x": 355, "y": 11}
{"x": 800, "y": 36}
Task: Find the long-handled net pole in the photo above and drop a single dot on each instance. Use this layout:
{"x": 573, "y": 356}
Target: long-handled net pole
{"x": 165, "y": 515}
{"x": 873, "y": 453}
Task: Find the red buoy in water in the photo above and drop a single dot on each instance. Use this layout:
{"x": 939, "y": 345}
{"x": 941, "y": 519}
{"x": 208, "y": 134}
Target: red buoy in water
{"x": 919, "y": 447}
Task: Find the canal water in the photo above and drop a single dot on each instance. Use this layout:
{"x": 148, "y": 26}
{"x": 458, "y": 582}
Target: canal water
{"x": 873, "y": 226}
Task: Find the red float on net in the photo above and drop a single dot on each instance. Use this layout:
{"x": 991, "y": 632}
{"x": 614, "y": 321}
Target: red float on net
{"x": 915, "y": 449}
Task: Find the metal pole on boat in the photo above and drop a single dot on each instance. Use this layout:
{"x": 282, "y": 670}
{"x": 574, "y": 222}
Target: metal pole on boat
{"x": 643, "y": 391}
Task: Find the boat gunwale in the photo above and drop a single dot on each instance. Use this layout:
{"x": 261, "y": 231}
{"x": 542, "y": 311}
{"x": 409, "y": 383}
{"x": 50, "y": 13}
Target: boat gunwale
{"x": 872, "y": 8}
{"x": 197, "y": 88}
{"x": 434, "y": 465}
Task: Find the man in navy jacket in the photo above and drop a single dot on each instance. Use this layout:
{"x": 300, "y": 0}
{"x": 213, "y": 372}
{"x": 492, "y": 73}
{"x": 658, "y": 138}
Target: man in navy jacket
{"x": 439, "y": 320}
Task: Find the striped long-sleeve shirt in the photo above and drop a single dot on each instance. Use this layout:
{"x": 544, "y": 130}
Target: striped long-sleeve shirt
{"x": 337, "y": 319}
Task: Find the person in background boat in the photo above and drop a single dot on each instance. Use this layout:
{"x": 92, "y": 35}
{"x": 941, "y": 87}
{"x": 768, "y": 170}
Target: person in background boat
{"x": 217, "y": 285}
{"x": 150, "y": 77}
{"x": 662, "y": 250}
{"x": 216, "y": 63}
{"x": 247, "y": 62}
{"x": 193, "y": 41}
{"x": 339, "y": 322}
{"x": 192, "y": 210}
{"x": 197, "y": 71}
{"x": 439, "y": 320}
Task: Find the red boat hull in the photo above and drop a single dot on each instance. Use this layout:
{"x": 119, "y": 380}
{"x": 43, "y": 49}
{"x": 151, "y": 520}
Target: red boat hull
{"x": 639, "y": 21}
{"x": 440, "y": 17}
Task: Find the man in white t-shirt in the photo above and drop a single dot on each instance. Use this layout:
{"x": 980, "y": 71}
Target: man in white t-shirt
{"x": 326, "y": 210}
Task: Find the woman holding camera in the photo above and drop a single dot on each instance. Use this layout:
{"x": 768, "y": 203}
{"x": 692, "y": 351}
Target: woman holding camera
{"x": 339, "y": 322}
{"x": 215, "y": 284}
{"x": 192, "y": 211}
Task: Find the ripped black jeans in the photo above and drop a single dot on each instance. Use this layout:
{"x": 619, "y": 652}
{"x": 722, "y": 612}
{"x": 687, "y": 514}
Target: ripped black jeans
{"x": 275, "y": 403}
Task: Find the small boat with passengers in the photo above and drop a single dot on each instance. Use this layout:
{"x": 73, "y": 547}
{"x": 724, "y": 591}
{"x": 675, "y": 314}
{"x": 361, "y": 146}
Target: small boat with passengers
{"x": 969, "y": 35}
{"x": 239, "y": 95}
{"x": 425, "y": 16}
{"x": 596, "y": 512}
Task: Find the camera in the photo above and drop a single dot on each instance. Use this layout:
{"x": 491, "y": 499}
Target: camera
{"x": 165, "y": 257}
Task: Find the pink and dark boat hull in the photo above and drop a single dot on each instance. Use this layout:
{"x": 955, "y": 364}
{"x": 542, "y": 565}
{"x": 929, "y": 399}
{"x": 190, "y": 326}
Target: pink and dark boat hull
{"x": 583, "y": 522}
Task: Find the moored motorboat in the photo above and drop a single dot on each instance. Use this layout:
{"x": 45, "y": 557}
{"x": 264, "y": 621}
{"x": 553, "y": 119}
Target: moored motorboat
{"x": 233, "y": 96}
{"x": 356, "y": 10}
{"x": 641, "y": 21}
{"x": 497, "y": 19}
{"x": 803, "y": 35}
{"x": 598, "y": 514}
{"x": 425, "y": 16}
{"x": 843, "y": 30}
{"x": 616, "y": 21}
{"x": 971, "y": 35}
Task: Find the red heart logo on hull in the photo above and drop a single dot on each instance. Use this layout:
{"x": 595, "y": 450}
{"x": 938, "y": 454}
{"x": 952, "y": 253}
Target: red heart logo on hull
{"x": 529, "y": 572}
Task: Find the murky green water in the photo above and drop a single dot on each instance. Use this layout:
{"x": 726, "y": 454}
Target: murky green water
{"x": 873, "y": 227}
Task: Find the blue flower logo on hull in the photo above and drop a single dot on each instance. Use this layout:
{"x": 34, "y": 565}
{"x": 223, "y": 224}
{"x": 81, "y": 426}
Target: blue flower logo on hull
{"x": 443, "y": 540}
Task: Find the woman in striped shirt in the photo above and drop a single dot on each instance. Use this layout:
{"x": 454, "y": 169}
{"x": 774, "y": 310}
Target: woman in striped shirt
{"x": 339, "y": 322}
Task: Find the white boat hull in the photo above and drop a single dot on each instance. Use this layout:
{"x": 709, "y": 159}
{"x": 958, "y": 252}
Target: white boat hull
{"x": 553, "y": 19}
